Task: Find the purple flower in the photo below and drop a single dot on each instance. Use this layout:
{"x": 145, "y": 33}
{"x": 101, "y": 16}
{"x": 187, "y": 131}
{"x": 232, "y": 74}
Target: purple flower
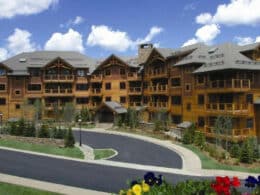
{"x": 158, "y": 180}
{"x": 149, "y": 178}
{"x": 251, "y": 182}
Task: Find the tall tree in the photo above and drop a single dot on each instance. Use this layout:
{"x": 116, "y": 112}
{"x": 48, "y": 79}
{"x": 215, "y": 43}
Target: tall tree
{"x": 69, "y": 112}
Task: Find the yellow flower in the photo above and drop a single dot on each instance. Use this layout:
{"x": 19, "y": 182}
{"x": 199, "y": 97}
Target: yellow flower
{"x": 121, "y": 192}
{"x": 145, "y": 186}
{"x": 129, "y": 192}
{"x": 137, "y": 189}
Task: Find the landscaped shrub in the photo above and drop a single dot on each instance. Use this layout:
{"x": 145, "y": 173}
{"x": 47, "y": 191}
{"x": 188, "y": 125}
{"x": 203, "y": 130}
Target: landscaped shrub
{"x": 21, "y": 126}
{"x": 199, "y": 139}
{"x": 235, "y": 151}
{"x": 44, "y": 131}
{"x": 29, "y": 130}
{"x": 69, "y": 139}
{"x": 189, "y": 134}
{"x": 246, "y": 155}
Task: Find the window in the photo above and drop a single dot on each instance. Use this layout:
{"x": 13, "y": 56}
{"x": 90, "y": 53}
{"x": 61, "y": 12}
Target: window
{"x": 81, "y": 87}
{"x": 108, "y": 72}
{"x": 2, "y": 72}
{"x": 81, "y": 73}
{"x": 2, "y": 101}
{"x": 108, "y": 99}
{"x": 200, "y": 99}
{"x": 122, "y": 85}
{"x": 176, "y": 119}
{"x": 83, "y": 100}
{"x": 2, "y": 87}
{"x": 35, "y": 72}
{"x": 122, "y": 71}
{"x": 187, "y": 87}
{"x": 122, "y": 99}
{"x": 176, "y": 82}
{"x": 176, "y": 100}
{"x": 249, "y": 98}
{"x": 108, "y": 86}
{"x": 17, "y": 106}
{"x": 188, "y": 107}
{"x": 200, "y": 79}
{"x": 249, "y": 123}
{"x": 201, "y": 121}
{"x": 34, "y": 87}
{"x": 17, "y": 92}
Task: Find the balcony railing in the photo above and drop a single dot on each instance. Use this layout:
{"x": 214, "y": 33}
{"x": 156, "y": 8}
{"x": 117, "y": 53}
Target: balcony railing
{"x": 133, "y": 76}
{"x": 135, "y": 90}
{"x": 230, "y": 84}
{"x": 158, "y": 89}
{"x": 234, "y": 134}
{"x": 157, "y": 73}
{"x": 96, "y": 91}
{"x": 158, "y": 104}
{"x": 58, "y": 91}
{"x": 51, "y": 105}
{"x": 229, "y": 108}
{"x": 96, "y": 78}
{"x": 134, "y": 104}
{"x": 58, "y": 77}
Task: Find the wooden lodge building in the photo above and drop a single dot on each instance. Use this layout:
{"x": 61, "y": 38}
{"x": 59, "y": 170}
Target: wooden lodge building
{"x": 195, "y": 83}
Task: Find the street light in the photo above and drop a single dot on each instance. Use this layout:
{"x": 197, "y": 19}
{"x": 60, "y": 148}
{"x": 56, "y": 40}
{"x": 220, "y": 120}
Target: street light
{"x": 79, "y": 120}
{"x": 1, "y": 122}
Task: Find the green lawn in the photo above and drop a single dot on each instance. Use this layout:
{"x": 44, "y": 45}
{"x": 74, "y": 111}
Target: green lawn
{"x": 103, "y": 153}
{"x": 11, "y": 189}
{"x": 209, "y": 163}
{"x": 48, "y": 149}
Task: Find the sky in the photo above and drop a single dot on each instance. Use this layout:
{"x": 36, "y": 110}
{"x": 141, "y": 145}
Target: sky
{"x": 98, "y": 28}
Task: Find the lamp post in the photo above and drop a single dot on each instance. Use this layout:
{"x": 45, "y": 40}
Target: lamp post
{"x": 1, "y": 122}
{"x": 79, "y": 120}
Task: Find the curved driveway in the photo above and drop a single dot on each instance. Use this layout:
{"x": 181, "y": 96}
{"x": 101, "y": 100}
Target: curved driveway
{"x": 132, "y": 150}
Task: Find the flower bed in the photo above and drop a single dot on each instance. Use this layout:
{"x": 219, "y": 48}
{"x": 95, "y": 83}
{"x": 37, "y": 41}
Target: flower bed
{"x": 156, "y": 185}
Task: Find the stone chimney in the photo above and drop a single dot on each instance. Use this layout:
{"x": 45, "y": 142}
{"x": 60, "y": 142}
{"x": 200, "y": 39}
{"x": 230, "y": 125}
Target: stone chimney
{"x": 143, "y": 52}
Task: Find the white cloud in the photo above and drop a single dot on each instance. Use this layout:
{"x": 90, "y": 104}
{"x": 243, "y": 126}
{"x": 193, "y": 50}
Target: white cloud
{"x": 73, "y": 22}
{"x": 257, "y": 40}
{"x": 206, "y": 34}
{"x": 72, "y": 40}
{"x": 244, "y": 40}
{"x": 11, "y": 8}
{"x": 190, "y": 42}
{"x": 116, "y": 40}
{"x": 3, "y": 54}
{"x": 237, "y": 12}
{"x": 20, "y": 41}
{"x": 204, "y": 18}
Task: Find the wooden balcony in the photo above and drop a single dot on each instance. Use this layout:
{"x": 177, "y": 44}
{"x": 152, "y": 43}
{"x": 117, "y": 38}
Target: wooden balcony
{"x": 58, "y": 92}
{"x": 135, "y": 104}
{"x": 159, "y": 105}
{"x": 96, "y": 92}
{"x": 135, "y": 91}
{"x": 236, "y": 134}
{"x": 52, "y": 105}
{"x": 235, "y": 85}
{"x": 158, "y": 89}
{"x": 133, "y": 76}
{"x": 96, "y": 78}
{"x": 58, "y": 78}
{"x": 157, "y": 73}
{"x": 229, "y": 108}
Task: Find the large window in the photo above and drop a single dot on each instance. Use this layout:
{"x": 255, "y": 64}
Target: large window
{"x": 176, "y": 119}
{"x": 82, "y": 87}
{"x": 35, "y": 72}
{"x": 34, "y": 87}
{"x": 108, "y": 72}
{"x": 81, "y": 73}
{"x": 201, "y": 121}
{"x": 188, "y": 87}
{"x": 2, "y": 101}
{"x": 122, "y": 99}
{"x": 176, "y": 100}
{"x": 249, "y": 123}
{"x": 82, "y": 100}
{"x": 2, "y": 72}
{"x": 108, "y": 99}
{"x": 200, "y": 79}
{"x": 108, "y": 86}
{"x": 176, "y": 82}
{"x": 200, "y": 99}
{"x": 249, "y": 98}
{"x": 122, "y": 71}
{"x": 122, "y": 85}
{"x": 2, "y": 87}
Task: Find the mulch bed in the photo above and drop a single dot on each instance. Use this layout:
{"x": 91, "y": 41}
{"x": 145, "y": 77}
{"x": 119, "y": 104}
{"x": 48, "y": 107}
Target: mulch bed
{"x": 35, "y": 140}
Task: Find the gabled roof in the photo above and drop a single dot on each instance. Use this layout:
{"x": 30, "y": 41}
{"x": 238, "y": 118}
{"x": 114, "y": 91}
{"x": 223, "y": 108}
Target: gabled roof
{"x": 114, "y": 106}
{"x": 38, "y": 59}
{"x": 227, "y": 56}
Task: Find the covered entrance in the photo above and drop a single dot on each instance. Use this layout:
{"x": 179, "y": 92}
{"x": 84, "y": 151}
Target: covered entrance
{"x": 107, "y": 112}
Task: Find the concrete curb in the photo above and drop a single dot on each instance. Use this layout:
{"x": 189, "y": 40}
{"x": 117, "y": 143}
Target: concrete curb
{"x": 42, "y": 185}
{"x": 112, "y": 156}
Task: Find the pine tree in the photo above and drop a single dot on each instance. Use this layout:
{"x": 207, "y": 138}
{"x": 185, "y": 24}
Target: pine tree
{"x": 235, "y": 151}
{"x": 246, "y": 155}
{"x": 44, "y": 131}
{"x": 69, "y": 139}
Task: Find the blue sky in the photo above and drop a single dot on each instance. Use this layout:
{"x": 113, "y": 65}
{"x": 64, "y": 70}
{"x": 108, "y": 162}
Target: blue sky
{"x": 100, "y": 27}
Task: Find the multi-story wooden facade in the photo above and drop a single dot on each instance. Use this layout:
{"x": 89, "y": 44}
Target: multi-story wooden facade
{"x": 196, "y": 83}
